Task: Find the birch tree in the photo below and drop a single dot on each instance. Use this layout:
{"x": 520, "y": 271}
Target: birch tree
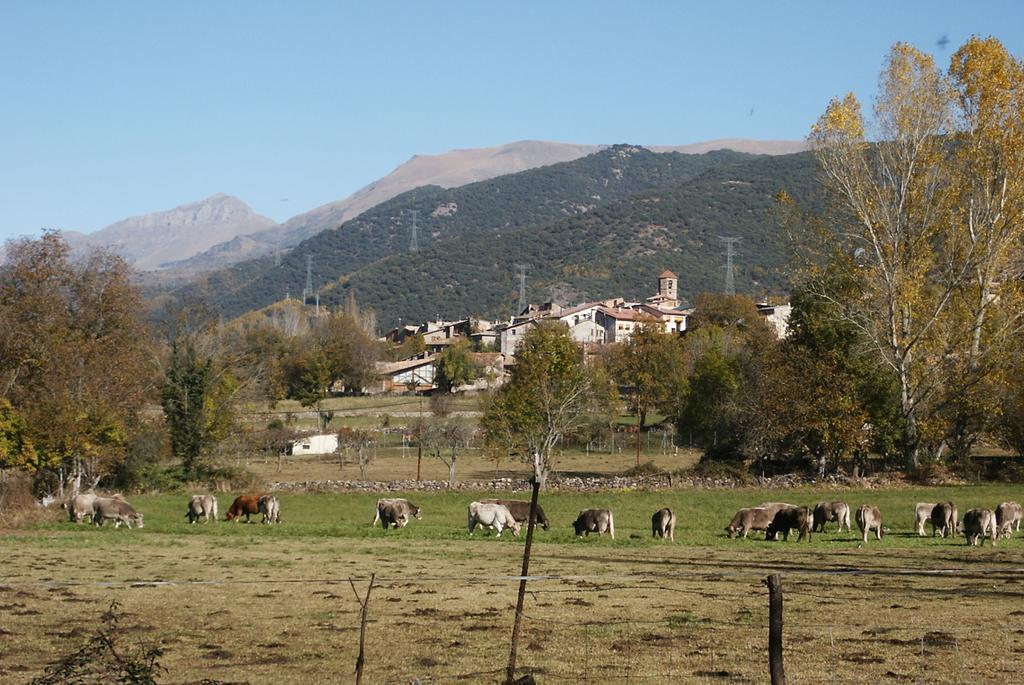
{"x": 928, "y": 194}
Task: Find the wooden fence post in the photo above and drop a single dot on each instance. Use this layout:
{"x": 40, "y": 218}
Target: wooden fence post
{"x": 364, "y": 603}
{"x": 778, "y": 673}
{"x": 510, "y": 673}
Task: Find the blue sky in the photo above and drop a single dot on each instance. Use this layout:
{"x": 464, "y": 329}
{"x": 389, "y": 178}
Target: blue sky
{"x": 110, "y": 109}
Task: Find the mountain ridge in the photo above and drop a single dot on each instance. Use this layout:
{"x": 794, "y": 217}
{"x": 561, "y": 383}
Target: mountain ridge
{"x": 449, "y": 169}
{"x": 470, "y": 236}
{"x": 148, "y": 241}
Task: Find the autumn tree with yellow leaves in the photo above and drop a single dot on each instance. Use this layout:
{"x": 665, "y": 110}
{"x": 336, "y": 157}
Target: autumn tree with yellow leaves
{"x": 929, "y": 197}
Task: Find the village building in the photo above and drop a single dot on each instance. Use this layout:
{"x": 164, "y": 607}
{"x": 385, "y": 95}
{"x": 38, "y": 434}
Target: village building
{"x": 777, "y": 316}
{"x": 402, "y": 376}
{"x": 326, "y": 443}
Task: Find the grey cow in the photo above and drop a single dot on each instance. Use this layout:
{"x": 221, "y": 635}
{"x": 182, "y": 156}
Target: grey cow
{"x": 663, "y": 524}
{"x": 979, "y": 524}
{"x": 945, "y": 519}
{"x": 1008, "y": 514}
{"x": 80, "y": 506}
{"x": 116, "y": 510}
{"x": 391, "y": 515}
{"x": 598, "y": 521}
{"x": 270, "y": 507}
{"x": 800, "y": 518}
{"x": 831, "y": 511}
{"x": 202, "y": 507}
{"x": 401, "y": 509}
{"x": 746, "y": 520}
{"x": 923, "y": 514}
{"x": 869, "y": 518}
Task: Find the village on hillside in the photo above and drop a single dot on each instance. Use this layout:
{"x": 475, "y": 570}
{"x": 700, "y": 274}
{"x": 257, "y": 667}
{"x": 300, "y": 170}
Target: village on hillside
{"x": 591, "y": 324}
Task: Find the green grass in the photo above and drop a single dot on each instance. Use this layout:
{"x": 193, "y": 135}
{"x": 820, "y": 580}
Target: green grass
{"x": 702, "y": 514}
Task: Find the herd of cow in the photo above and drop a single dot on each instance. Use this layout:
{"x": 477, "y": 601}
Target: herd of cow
{"x": 773, "y": 518}
{"x": 115, "y": 508}
{"x": 778, "y": 517}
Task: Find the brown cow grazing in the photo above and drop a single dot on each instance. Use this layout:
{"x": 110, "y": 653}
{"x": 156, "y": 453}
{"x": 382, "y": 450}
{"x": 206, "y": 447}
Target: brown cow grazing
{"x": 244, "y": 505}
{"x": 598, "y": 521}
{"x": 869, "y": 518}
{"x": 831, "y": 511}
{"x": 979, "y": 523}
{"x": 784, "y": 520}
{"x": 945, "y": 519}
{"x": 663, "y": 524}
{"x": 746, "y": 520}
{"x": 520, "y": 510}
{"x": 923, "y": 514}
{"x": 1008, "y": 514}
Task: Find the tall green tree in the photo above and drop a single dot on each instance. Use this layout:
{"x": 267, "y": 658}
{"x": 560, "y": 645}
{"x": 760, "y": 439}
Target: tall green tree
{"x": 186, "y": 399}
{"x": 551, "y": 393}
{"x": 75, "y": 356}
{"x": 650, "y": 366}
{"x": 455, "y": 367}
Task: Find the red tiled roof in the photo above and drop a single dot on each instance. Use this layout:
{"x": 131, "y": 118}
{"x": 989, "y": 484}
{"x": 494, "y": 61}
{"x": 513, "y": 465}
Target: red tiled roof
{"x": 667, "y": 274}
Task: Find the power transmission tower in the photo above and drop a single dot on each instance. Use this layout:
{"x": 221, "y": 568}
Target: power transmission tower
{"x": 730, "y": 282}
{"x": 522, "y": 286}
{"x": 414, "y": 245}
{"x": 307, "y": 292}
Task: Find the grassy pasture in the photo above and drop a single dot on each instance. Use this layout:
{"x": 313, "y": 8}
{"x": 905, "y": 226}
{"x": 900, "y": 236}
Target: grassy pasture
{"x": 272, "y": 604}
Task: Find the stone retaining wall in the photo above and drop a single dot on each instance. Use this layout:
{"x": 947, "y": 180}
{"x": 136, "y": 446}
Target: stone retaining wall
{"x": 577, "y": 484}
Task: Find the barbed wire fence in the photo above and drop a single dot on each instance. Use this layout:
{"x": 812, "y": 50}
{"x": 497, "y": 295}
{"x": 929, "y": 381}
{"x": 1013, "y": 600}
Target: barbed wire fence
{"x": 701, "y": 627}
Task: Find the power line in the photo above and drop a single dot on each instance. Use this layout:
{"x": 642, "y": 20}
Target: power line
{"x": 307, "y": 292}
{"x": 414, "y": 245}
{"x": 730, "y": 282}
{"x": 522, "y": 286}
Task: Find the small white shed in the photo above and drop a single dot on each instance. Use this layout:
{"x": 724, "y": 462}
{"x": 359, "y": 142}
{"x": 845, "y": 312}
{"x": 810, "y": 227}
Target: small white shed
{"x": 315, "y": 444}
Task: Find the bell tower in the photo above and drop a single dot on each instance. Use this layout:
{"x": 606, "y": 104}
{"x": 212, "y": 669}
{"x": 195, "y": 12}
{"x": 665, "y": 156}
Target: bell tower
{"x": 667, "y": 282}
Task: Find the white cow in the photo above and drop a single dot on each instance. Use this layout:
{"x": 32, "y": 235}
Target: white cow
{"x": 80, "y": 506}
{"x": 1008, "y": 514}
{"x": 202, "y": 506}
{"x": 270, "y": 508}
{"x": 496, "y": 516}
{"x": 116, "y": 510}
{"x": 922, "y": 515}
{"x": 869, "y": 518}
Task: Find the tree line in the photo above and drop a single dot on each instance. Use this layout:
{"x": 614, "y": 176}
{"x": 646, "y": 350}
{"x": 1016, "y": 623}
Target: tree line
{"x": 908, "y": 307}
{"x": 904, "y": 341}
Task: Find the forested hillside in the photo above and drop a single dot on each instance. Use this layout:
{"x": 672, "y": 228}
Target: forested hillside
{"x": 616, "y": 249}
{"x": 505, "y": 204}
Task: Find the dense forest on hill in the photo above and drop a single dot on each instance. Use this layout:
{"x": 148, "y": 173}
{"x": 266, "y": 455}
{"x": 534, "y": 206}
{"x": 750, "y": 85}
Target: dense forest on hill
{"x": 507, "y": 204}
{"x": 616, "y": 249}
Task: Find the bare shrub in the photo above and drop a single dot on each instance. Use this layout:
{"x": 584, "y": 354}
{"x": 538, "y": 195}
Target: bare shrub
{"x": 18, "y": 505}
{"x": 105, "y": 658}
